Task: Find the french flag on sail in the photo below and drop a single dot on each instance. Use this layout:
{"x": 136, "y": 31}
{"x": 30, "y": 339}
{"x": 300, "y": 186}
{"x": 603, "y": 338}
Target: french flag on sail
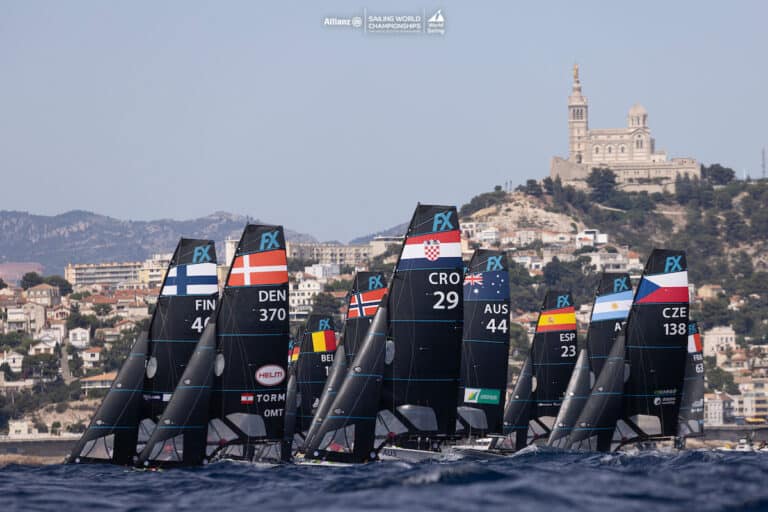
{"x": 614, "y": 306}
{"x": 192, "y": 279}
{"x": 663, "y": 288}
{"x": 439, "y": 250}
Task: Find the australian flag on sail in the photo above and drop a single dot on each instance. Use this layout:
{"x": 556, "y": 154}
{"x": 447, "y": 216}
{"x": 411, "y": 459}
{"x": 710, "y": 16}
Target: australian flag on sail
{"x": 614, "y": 306}
{"x": 191, "y": 279}
{"x": 486, "y": 286}
{"x": 663, "y": 288}
{"x": 432, "y": 251}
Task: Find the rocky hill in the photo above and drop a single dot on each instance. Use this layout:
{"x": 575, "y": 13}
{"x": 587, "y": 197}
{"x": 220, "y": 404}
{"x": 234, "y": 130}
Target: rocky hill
{"x": 85, "y": 237}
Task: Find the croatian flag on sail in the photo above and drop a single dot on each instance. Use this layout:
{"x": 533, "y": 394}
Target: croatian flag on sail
{"x": 663, "y": 288}
{"x": 191, "y": 279}
{"x": 614, "y": 306}
{"x": 440, "y": 250}
{"x": 491, "y": 286}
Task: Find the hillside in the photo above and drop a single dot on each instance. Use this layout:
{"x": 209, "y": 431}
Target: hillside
{"x": 85, "y": 237}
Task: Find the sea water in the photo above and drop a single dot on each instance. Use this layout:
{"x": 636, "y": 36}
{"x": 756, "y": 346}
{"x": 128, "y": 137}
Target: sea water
{"x": 539, "y": 479}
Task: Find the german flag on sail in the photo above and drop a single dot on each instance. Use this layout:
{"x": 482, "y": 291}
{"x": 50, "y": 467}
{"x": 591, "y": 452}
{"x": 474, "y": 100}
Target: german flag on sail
{"x": 294, "y": 354}
{"x": 563, "y": 319}
{"x": 324, "y": 341}
{"x": 259, "y": 268}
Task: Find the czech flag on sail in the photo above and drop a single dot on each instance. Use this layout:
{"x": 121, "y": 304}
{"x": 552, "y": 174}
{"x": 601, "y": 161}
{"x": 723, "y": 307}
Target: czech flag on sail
{"x": 563, "y": 319}
{"x": 324, "y": 341}
{"x": 439, "y": 250}
{"x": 663, "y": 288}
{"x": 365, "y": 303}
{"x": 259, "y": 268}
{"x": 614, "y": 306}
{"x": 191, "y": 279}
{"x": 490, "y": 286}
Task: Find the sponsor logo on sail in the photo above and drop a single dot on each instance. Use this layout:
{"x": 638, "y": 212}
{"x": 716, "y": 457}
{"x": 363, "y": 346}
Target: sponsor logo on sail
{"x": 482, "y": 396}
{"x": 270, "y": 375}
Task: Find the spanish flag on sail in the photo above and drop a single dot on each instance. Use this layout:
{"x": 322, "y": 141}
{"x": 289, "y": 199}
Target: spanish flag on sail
{"x": 324, "y": 341}
{"x": 563, "y": 319}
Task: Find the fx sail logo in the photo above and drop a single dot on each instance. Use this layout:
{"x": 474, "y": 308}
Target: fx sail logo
{"x": 269, "y": 241}
{"x": 620, "y": 285}
{"x": 563, "y": 301}
{"x": 442, "y": 222}
{"x": 201, "y": 254}
{"x": 324, "y": 325}
{"x": 375, "y": 283}
{"x": 494, "y": 263}
{"x": 673, "y": 264}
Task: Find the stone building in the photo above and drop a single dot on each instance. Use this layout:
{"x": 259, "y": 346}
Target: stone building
{"x": 629, "y": 152}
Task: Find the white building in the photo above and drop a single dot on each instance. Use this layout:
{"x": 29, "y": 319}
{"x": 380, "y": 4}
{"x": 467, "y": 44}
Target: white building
{"x": 718, "y": 339}
{"x": 13, "y": 359}
{"x": 91, "y": 357}
{"x": 102, "y": 381}
{"x": 44, "y": 294}
{"x": 80, "y": 338}
{"x": 46, "y": 346}
{"x": 629, "y": 152}
{"x": 718, "y": 408}
{"x": 323, "y": 270}
{"x": 106, "y": 274}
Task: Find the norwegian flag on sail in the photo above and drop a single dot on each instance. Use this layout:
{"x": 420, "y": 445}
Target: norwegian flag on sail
{"x": 259, "y": 268}
{"x": 365, "y": 303}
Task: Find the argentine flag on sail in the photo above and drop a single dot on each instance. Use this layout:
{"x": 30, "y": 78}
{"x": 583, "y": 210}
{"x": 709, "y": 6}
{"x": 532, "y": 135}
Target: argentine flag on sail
{"x": 614, "y": 306}
{"x": 192, "y": 279}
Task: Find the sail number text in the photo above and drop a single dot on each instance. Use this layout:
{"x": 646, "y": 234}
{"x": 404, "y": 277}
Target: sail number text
{"x": 569, "y": 349}
{"x": 675, "y": 328}
{"x": 270, "y": 314}
{"x": 445, "y": 300}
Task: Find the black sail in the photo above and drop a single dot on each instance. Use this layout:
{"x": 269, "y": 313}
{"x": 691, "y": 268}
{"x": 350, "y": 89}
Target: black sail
{"x": 551, "y": 361}
{"x": 596, "y": 424}
{"x": 248, "y": 397}
{"x": 113, "y": 432}
{"x": 180, "y": 436}
{"x": 363, "y": 301}
{"x": 347, "y": 432}
{"x": 657, "y": 341}
{"x": 609, "y": 314}
{"x": 576, "y": 395}
{"x": 421, "y": 382}
{"x": 316, "y": 356}
{"x": 485, "y": 347}
{"x": 187, "y": 299}
{"x": 691, "y": 421}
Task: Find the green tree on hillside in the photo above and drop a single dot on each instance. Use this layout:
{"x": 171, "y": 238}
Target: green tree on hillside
{"x": 30, "y": 279}
{"x": 3, "y": 284}
{"x": 602, "y": 183}
{"x": 717, "y": 174}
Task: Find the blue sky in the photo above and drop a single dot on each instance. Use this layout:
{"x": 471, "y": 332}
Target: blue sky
{"x": 143, "y": 109}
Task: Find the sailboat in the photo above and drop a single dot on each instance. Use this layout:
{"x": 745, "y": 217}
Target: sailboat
{"x": 535, "y": 402}
{"x": 691, "y": 420}
{"x": 401, "y": 388}
{"x": 363, "y": 301}
{"x": 231, "y": 399}
{"x": 316, "y": 356}
{"x": 485, "y": 345}
{"x": 143, "y": 387}
{"x": 637, "y": 395}
{"x": 609, "y": 313}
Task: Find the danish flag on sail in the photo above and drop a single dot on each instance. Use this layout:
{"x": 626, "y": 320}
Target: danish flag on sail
{"x": 259, "y": 268}
{"x": 441, "y": 249}
{"x": 663, "y": 288}
{"x": 365, "y": 303}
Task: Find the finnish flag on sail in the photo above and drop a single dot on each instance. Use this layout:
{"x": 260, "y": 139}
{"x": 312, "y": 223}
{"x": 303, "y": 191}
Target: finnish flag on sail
{"x": 192, "y": 279}
{"x": 614, "y": 306}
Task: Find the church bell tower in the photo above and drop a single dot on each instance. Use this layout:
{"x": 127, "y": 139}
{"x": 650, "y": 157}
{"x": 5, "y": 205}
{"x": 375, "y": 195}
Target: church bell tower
{"x": 577, "y": 121}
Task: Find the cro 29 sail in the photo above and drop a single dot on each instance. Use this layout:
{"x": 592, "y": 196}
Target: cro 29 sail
{"x": 234, "y": 388}
{"x": 363, "y": 301}
{"x": 535, "y": 401}
{"x": 143, "y": 386}
{"x": 485, "y": 347}
{"x": 691, "y": 421}
{"x": 421, "y": 375}
{"x": 640, "y": 399}
{"x": 609, "y": 313}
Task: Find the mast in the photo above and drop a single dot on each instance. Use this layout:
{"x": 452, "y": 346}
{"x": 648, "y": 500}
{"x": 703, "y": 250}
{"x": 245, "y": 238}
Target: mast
{"x": 485, "y": 344}
{"x": 144, "y": 385}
